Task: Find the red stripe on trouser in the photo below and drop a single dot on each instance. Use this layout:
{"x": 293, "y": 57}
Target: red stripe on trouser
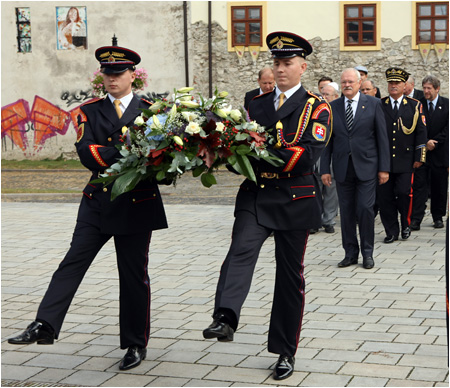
{"x": 302, "y": 292}
{"x": 147, "y": 324}
{"x": 410, "y": 200}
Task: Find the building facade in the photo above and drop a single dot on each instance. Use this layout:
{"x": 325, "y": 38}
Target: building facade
{"x": 208, "y": 45}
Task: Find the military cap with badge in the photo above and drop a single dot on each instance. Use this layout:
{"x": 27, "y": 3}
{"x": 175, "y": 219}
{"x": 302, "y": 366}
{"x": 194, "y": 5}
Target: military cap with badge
{"x": 287, "y": 45}
{"x": 115, "y": 59}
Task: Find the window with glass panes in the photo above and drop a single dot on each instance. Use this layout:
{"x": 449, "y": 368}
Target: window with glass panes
{"x": 360, "y": 24}
{"x": 246, "y": 26}
{"x": 432, "y": 22}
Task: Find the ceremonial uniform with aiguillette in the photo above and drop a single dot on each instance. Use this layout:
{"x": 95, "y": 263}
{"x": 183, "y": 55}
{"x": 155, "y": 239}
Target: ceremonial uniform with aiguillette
{"x": 129, "y": 219}
{"x": 285, "y": 200}
{"x": 406, "y": 128}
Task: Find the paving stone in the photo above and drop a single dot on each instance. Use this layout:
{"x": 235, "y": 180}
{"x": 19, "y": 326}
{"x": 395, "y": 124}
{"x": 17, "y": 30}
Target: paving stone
{"x": 325, "y": 380}
{"x": 375, "y": 370}
{"x": 89, "y": 378}
{"x": 126, "y": 380}
{"x": 367, "y": 382}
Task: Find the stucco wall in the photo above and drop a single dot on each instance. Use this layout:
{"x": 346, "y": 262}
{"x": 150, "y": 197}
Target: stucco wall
{"x": 61, "y": 77}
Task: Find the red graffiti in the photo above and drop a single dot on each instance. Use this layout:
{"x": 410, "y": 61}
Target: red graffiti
{"x": 48, "y": 120}
{"x": 14, "y": 119}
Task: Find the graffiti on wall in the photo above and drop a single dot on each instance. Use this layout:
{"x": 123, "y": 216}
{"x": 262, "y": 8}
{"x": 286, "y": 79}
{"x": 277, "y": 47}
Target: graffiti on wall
{"x": 77, "y": 96}
{"x": 30, "y": 129}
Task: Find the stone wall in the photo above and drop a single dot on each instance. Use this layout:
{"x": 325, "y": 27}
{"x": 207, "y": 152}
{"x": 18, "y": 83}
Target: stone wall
{"x": 238, "y": 77}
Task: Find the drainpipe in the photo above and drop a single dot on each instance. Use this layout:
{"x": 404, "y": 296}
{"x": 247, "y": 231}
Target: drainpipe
{"x": 186, "y": 48}
{"x": 210, "y": 49}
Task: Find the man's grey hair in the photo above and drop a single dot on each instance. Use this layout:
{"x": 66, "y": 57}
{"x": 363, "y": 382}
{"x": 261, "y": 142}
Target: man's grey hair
{"x": 431, "y": 79}
{"x": 352, "y": 69}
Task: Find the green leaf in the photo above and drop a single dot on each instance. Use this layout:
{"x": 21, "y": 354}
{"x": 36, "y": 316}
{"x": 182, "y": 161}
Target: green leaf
{"x": 125, "y": 183}
{"x": 245, "y": 166}
{"x": 160, "y": 175}
{"x": 208, "y": 179}
{"x": 198, "y": 171}
{"x": 242, "y": 149}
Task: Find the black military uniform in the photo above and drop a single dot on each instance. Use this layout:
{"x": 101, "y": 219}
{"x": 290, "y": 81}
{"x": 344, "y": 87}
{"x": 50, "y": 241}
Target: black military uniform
{"x": 407, "y": 138}
{"x": 286, "y": 201}
{"x": 130, "y": 219}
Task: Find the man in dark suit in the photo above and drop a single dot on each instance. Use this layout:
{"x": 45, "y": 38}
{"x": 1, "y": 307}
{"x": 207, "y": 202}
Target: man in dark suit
{"x": 410, "y": 91}
{"x": 435, "y": 170}
{"x": 359, "y": 149}
{"x": 266, "y": 83}
{"x": 407, "y": 135}
{"x": 130, "y": 218}
{"x": 285, "y": 200}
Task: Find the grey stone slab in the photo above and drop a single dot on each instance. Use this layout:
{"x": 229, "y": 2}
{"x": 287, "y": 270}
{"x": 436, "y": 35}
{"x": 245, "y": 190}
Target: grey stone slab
{"x": 88, "y": 378}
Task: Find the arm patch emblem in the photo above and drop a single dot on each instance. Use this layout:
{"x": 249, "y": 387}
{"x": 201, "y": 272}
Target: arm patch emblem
{"x": 319, "y": 131}
{"x": 80, "y": 132}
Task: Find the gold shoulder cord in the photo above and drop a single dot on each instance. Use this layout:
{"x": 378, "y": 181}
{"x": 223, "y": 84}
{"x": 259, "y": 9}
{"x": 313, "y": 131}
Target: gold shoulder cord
{"x": 300, "y": 128}
{"x": 408, "y": 131}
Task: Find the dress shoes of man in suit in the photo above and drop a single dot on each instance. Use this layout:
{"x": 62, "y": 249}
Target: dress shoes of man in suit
{"x": 39, "y": 332}
{"x": 438, "y": 224}
{"x": 368, "y": 262}
{"x": 219, "y": 329}
{"x": 283, "y": 368}
{"x": 133, "y": 357}
{"x": 415, "y": 225}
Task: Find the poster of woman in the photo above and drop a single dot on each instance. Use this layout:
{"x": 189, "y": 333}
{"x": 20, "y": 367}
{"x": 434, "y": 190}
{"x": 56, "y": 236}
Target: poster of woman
{"x": 71, "y": 28}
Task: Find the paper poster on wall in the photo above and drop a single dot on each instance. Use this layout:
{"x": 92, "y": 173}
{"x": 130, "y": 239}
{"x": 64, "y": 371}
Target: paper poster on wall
{"x": 71, "y": 28}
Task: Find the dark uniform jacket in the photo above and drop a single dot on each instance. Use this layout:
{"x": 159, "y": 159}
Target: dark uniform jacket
{"x": 437, "y": 128}
{"x": 407, "y": 134}
{"x": 137, "y": 211}
{"x": 250, "y": 96}
{"x": 288, "y": 197}
{"x": 366, "y": 142}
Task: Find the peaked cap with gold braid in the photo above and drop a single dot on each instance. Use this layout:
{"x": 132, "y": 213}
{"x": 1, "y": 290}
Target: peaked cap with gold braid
{"x": 287, "y": 45}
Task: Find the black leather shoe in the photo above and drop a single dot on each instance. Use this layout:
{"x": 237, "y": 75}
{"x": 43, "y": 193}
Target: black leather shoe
{"x": 406, "y": 233}
{"x": 438, "y": 224}
{"x": 390, "y": 239}
{"x": 283, "y": 368}
{"x": 368, "y": 262}
{"x": 133, "y": 357}
{"x": 219, "y": 329}
{"x": 35, "y": 332}
{"x": 415, "y": 225}
{"x": 313, "y": 231}
{"x": 347, "y": 261}
{"x": 329, "y": 228}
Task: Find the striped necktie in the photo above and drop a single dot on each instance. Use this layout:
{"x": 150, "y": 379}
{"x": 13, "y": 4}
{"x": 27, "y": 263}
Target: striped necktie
{"x": 349, "y": 115}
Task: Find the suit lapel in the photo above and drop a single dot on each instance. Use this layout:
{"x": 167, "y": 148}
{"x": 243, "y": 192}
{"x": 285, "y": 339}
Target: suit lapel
{"x": 339, "y": 111}
{"x": 291, "y": 104}
{"x": 130, "y": 113}
{"x": 387, "y": 106}
{"x": 360, "y": 109}
{"x": 108, "y": 111}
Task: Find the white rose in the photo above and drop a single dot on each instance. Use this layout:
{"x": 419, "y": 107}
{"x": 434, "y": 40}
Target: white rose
{"x": 139, "y": 121}
{"x": 193, "y": 128}
{"x": 235, "y": 115}
{"x": 220, "y": 127}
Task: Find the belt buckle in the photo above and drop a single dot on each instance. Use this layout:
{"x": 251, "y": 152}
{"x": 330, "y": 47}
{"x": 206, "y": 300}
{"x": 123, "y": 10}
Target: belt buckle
{"x": 269, "y": 175}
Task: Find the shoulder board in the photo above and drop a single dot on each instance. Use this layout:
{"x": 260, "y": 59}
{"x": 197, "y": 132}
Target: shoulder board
{"x": 314, "y": 95}
{"x": 96, "y": 99}
{"x": 147, "y": 101}
{"x": 411, "y": 98}
{"x": 260, "y": 95}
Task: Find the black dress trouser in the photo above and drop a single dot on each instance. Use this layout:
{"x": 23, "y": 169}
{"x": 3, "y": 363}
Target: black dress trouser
{"x": 132, "y": 262}
{"x": 289, "y": 295}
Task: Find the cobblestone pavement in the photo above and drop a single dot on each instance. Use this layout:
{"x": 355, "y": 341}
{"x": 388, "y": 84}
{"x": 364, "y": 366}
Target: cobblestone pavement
{"x": 379, "y": 327}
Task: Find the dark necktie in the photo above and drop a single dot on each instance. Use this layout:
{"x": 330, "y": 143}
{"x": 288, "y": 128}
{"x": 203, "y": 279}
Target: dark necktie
{"x": 349, "y": 115}
{"x": 431, "y": 108}
{"x": 396, "y": 108}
